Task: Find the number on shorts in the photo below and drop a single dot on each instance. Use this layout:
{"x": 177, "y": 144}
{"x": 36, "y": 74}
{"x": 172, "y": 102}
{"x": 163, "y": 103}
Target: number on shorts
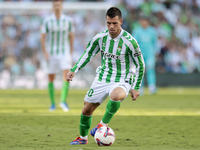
{"x": 90, "y": 92}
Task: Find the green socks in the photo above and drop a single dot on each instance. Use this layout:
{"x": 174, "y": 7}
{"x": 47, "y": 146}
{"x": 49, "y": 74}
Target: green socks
{"x": 111, "y": 109}
{"x": 64, "y": 92}
{"x": 85, "y": 123}
{"x": 51, "y": 93}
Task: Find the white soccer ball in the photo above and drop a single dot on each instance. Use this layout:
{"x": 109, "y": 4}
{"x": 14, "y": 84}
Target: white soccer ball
{"x": 104, "y": 136}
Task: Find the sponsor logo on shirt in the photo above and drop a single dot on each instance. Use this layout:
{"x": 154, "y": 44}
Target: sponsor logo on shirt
{"x": 137, "y": 52}
{"x": 110, "y": 55}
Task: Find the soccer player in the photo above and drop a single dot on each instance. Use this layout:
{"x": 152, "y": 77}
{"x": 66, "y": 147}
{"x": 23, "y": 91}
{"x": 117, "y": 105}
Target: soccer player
{"x": 147, "y": 37}
{"x": 57, "y": 37}
{"x": 116, "y": 77}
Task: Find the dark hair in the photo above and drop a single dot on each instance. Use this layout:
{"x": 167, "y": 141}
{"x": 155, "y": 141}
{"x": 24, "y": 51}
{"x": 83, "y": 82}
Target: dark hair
{"x": 57, "y": 0}
{"x": 144, "y": 18}
{"x": 114, "y": 11}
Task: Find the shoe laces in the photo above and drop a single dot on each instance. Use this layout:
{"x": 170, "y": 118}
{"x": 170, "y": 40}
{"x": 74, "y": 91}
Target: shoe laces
{"x": 99, "y": 126}
{"x": 78, "y": 139}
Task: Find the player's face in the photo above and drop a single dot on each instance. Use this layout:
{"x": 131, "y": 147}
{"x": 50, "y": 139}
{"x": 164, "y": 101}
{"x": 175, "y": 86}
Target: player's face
{"x": 144, "y": 23}
{"x": 57, "y": 6}
{"x": 114, "y": 26}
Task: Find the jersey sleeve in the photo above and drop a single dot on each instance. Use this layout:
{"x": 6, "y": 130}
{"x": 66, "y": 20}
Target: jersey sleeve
{"x": 44, "y": 26}
{"x": 138, "y": 61}
{"x": 91, "y": 51}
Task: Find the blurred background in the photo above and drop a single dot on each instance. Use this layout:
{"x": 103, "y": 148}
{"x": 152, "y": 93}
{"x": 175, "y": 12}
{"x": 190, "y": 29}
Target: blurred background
{"x": 177, "y": 23}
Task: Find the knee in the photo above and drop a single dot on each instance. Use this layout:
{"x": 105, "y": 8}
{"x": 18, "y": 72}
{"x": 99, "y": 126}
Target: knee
{"x": 51, "y": 78}
{"x": 117, "y": 95}
{"x": 89, "y": 108}
{"x": 86, "y": 112}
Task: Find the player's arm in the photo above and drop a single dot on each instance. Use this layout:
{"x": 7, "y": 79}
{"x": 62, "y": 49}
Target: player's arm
{"x": 44, "y": 30}
{"x": 134, "y": 94}
{"x": 70, "y": 76}
{"x": 71, "y": 34}
{"x": 71, "y": 41}
{"x": 42, "y": 41}
{"x": 138, "y": 61}
{"x": 91, "y": 51}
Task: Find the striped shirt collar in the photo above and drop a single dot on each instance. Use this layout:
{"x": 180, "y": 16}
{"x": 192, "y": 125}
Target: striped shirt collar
{"x": 118, "y": 37}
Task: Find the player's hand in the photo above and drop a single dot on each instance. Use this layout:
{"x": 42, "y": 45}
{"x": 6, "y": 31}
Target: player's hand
{"x": 69, "y": 77}
{"x": 134, "y": 94}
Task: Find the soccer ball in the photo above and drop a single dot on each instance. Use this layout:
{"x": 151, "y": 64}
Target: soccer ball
{"x": 104, "y": 136}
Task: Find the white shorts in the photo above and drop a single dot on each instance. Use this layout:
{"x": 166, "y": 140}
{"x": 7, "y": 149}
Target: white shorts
{"x": 99, "y": 91}
{"x": 58, "y": 63}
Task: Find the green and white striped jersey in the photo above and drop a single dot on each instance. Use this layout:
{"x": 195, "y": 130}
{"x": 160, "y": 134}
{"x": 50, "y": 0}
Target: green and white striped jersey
{"x": 121, "y": 59}
{"x": 57, "y": 33}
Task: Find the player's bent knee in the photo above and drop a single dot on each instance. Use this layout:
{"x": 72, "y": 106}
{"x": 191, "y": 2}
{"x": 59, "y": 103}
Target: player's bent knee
{"x": 117, "y": 97}
{"x": 89, "y": 108}
{"x": 118, "y": 94}
{"x": 86, "y": 112}
{"x": 51, "y": 77}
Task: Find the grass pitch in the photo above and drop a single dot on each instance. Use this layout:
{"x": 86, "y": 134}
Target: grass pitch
{"x": 169, "y": 120}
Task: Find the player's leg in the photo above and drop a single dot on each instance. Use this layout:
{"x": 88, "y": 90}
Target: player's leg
{"x": 65, "y": 64}
{"x": 86, "y": 118}
{"x": 97, "y": 93}
{"x": 51, "y": 71}
{"x": 51, "y": 78}
{"x": 151, "y": 75}
{"x": 113, "y": 104}
{"x": 118, "y": 92}
{"x": 85, "y": 123}
{"x": 64, "y": 91}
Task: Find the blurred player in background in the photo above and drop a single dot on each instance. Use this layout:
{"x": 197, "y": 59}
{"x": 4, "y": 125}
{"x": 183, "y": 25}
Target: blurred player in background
{"x": 57, "y": 39}
{"x": 147, "y": 38}
{"x": 119, "y": 54}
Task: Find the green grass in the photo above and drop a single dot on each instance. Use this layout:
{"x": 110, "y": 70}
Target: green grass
{"x": 169, "y": 120}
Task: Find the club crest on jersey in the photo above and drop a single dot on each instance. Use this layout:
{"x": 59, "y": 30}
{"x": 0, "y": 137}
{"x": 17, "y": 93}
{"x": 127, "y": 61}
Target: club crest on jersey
{"x": 110, "y": 55}
{"x": 119, "y": 49}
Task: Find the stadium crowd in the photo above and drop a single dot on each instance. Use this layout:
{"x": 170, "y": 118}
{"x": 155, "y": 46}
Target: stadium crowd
{"x": 177, "y": 24}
